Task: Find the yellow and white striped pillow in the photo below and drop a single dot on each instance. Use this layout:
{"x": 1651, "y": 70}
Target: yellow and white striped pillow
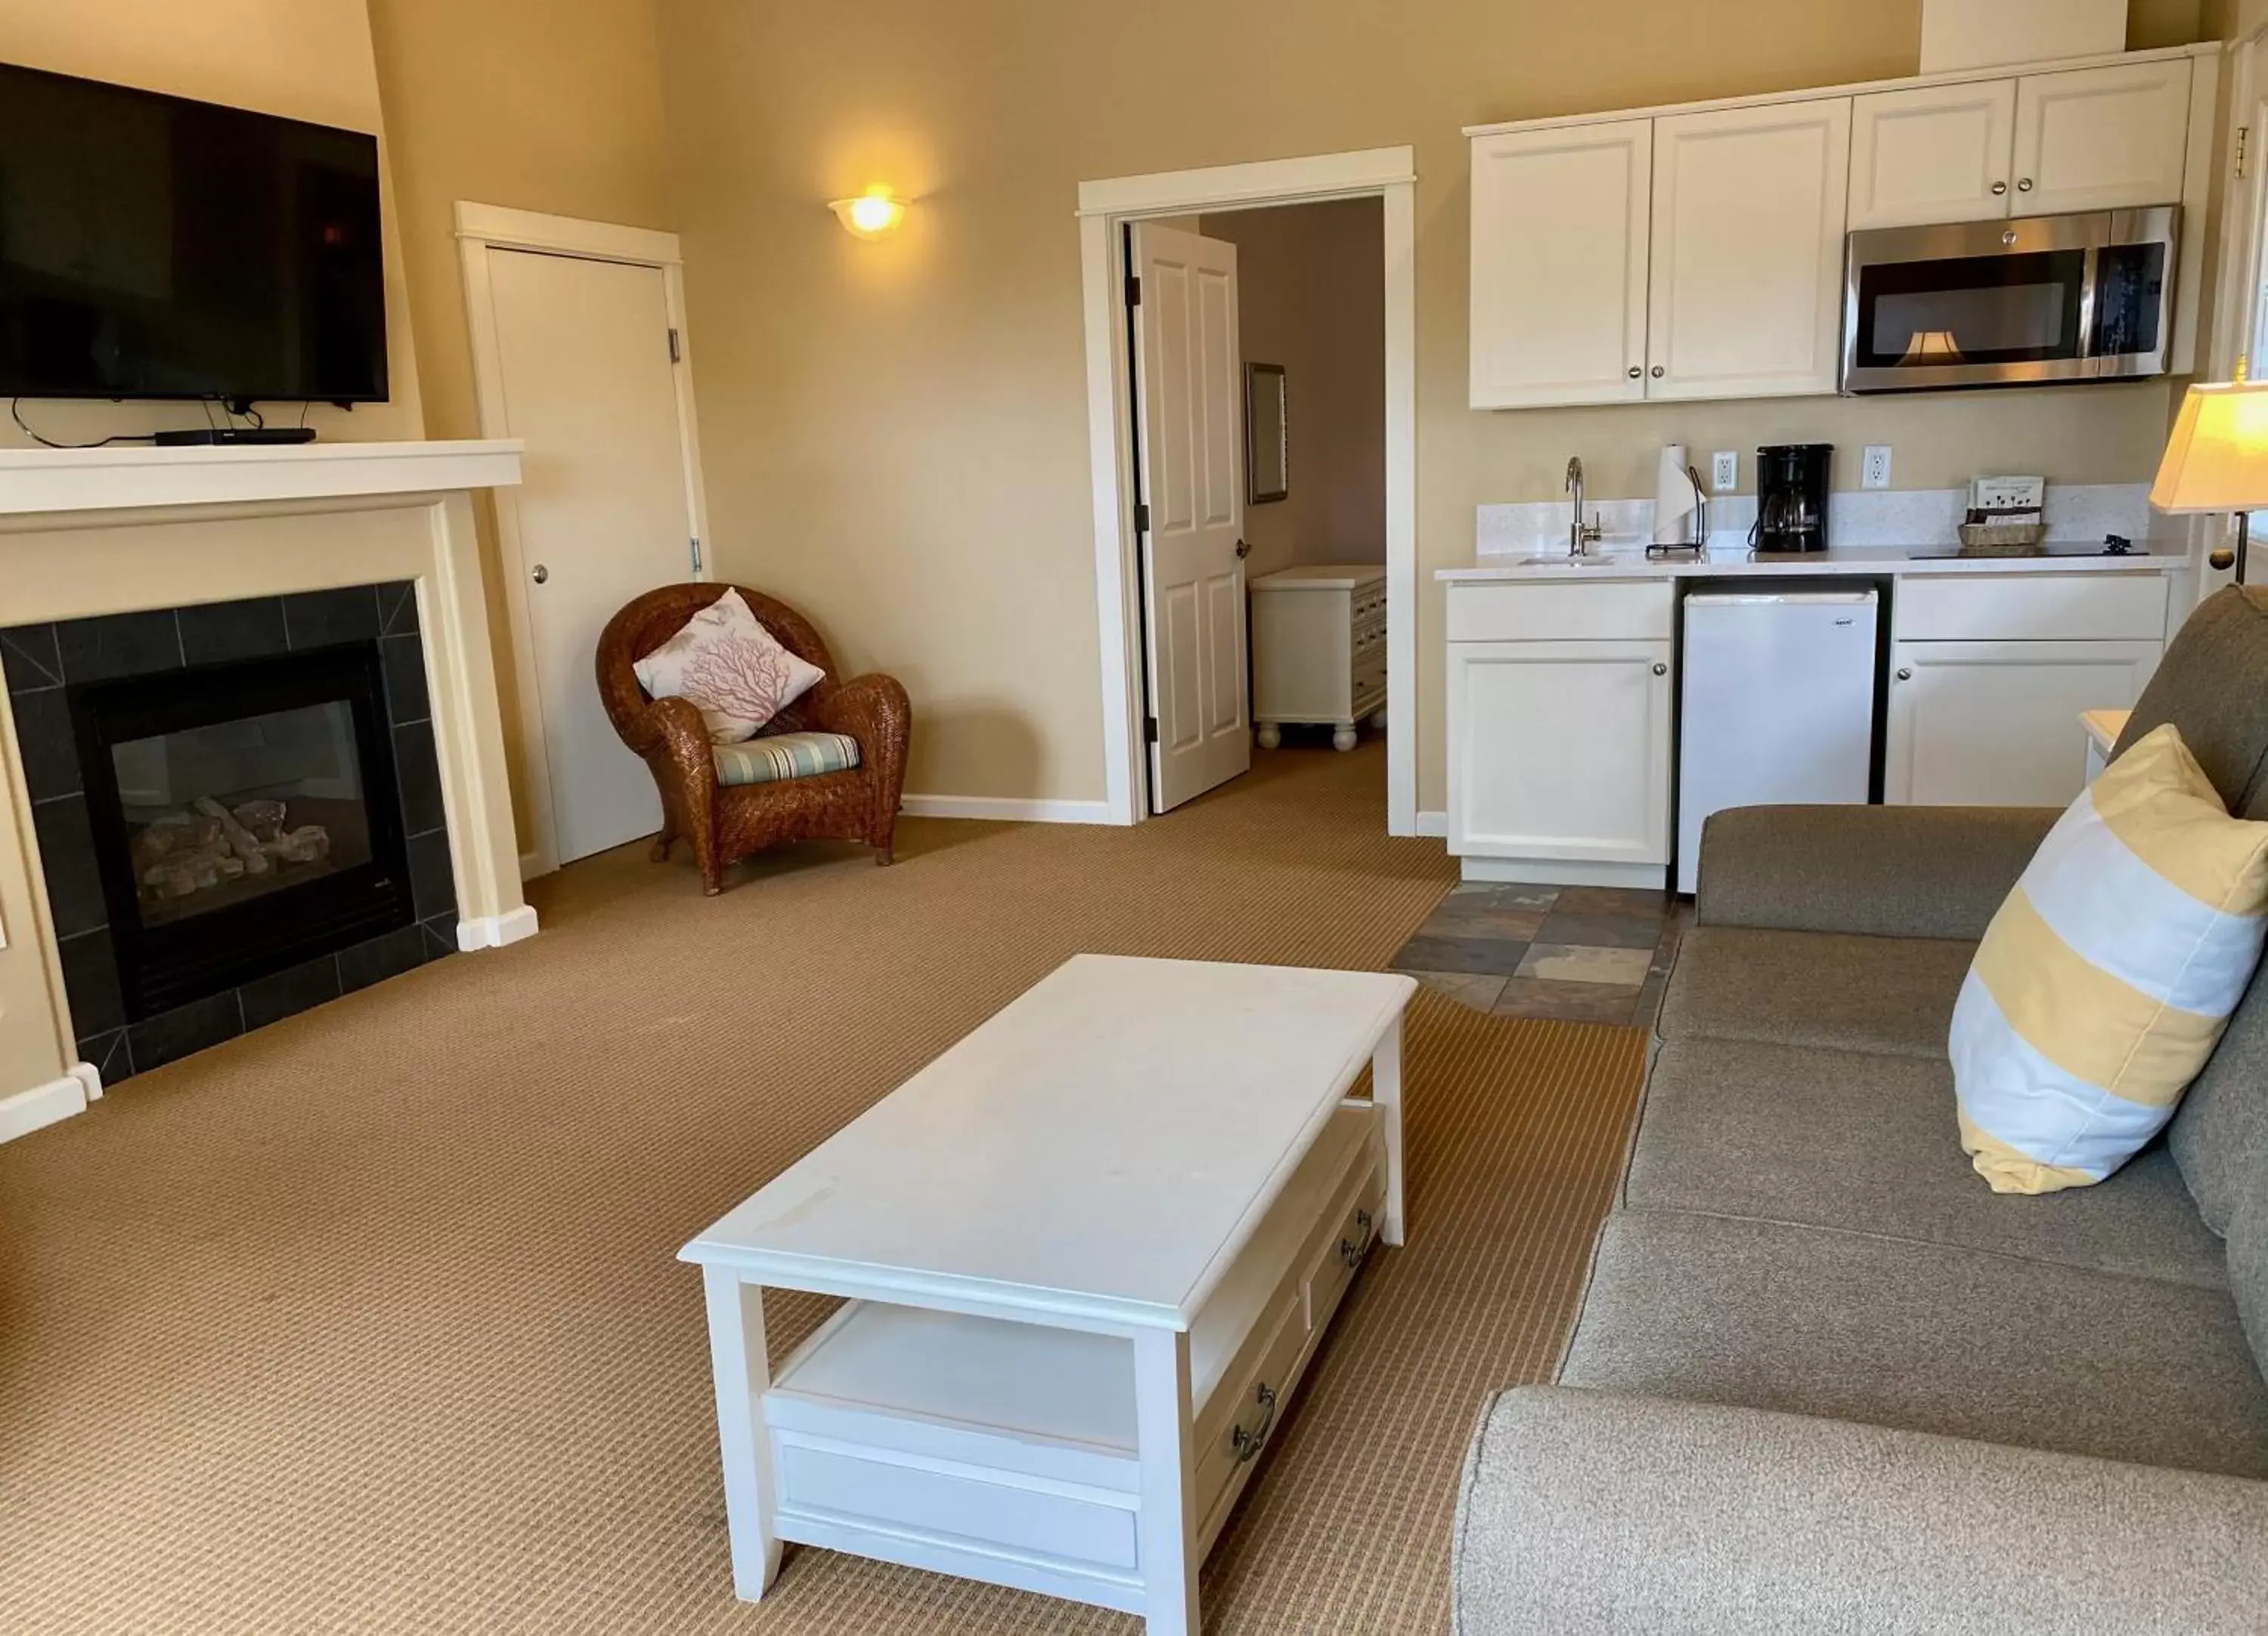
{"x": 2106, "y": 979}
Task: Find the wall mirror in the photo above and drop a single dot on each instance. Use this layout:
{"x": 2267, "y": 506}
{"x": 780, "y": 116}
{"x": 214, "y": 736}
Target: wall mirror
{"x": 1267, "y": 434}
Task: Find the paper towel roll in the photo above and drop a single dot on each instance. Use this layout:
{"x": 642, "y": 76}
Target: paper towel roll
{"x": 1673, "y": 499}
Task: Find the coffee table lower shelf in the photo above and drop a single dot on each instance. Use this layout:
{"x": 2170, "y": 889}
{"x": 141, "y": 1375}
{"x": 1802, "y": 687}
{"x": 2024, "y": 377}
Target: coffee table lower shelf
{"x": 1009, "y": 1451}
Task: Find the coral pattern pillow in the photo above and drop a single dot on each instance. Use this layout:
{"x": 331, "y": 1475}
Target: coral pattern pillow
{"x": 733, "y": 670}
{"x": 2106, "y": 979}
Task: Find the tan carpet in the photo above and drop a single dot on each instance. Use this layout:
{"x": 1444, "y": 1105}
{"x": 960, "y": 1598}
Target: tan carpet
{"x": 370, "y": 1321}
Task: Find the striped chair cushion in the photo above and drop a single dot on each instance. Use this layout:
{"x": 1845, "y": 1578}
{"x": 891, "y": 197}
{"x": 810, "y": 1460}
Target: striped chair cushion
{"x": 2104, "y": 982}
{"x": 785, "y": 755}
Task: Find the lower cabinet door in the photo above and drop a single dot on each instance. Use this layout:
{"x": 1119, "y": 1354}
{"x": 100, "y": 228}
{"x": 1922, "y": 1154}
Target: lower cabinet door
{"x": 1560, "y": 750}
{"x": 1996, "y": 723}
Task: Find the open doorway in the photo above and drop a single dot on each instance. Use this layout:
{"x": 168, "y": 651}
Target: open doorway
{"x": 1181, "y": 525}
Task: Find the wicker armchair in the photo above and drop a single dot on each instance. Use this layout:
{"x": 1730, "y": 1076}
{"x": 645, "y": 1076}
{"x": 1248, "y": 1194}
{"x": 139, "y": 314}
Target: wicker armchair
{"x": 727, "y": 823}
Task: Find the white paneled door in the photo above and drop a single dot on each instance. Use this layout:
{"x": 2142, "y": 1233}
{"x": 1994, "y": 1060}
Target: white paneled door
{"x": 589, "y": 379}
{"x": 1189, "y": 460}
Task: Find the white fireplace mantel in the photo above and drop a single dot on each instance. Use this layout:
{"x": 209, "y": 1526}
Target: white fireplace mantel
{"x": 128, "y": 477}
{"x": 85, "y": 533}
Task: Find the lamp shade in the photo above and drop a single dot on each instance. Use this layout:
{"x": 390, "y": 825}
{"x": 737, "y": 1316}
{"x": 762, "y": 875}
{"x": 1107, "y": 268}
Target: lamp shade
{"x": 2217, "y": 459}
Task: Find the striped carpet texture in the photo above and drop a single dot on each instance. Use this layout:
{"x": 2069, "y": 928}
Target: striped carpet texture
{"x": 370, "y": 1321}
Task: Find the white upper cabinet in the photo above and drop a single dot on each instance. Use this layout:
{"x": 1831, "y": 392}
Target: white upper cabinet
{"x": 1698, "y": 253}
{"x": 1748, "y": 207}
{"x": 2101, "y": 139}
{"x": 1936, "y": 154}
{"x": 1559, "y": 221}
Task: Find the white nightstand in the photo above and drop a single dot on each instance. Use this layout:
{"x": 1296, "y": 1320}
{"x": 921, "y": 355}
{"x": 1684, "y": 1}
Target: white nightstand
{"x": 2103, "y": 727}
{"x": 1319, "y": 649}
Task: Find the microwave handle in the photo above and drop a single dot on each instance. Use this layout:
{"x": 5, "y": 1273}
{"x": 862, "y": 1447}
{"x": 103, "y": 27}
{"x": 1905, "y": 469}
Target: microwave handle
{"x": 2086, "y": 289}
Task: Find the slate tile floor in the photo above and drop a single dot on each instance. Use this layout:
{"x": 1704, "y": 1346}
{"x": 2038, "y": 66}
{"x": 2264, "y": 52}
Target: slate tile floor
{"x": 1575, "y": 954}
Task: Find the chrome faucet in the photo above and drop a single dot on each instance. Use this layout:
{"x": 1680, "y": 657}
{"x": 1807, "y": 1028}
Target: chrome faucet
{"x": 1580, "y": 534}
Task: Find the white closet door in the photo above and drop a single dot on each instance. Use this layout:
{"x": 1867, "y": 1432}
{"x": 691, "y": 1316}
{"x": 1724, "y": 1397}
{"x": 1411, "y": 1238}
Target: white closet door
{"x": 1748, "y": 250}
{"x": 589, "y": 382}
{"x": 1939, "y": 153}
{"x": 1559, "y": 229}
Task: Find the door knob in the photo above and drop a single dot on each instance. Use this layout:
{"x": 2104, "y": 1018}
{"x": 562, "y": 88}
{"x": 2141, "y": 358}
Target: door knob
{"x": 1999, "y": 188}
{"x": 1904, "y": 674}
{"x": 1661, "y": 670}
{"x": 1243, "y": 550}
{"x": 540, "y": 573}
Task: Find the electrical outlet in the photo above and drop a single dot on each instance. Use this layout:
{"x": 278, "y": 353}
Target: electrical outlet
{"x": 1875, "y": 474}
{"x": 1724, "y": 470}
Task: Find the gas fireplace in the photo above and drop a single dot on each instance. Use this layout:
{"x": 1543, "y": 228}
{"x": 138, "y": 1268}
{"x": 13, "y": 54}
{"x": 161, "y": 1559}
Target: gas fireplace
{"x": 244, "y": 818}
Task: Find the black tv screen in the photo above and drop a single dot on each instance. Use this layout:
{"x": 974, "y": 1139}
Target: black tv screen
{"x": 156, "y": 247}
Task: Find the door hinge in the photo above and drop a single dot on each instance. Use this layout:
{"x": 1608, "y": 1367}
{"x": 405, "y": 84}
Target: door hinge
{"x": 694, "y": 542}
{"x": 1141, "y": 518}
{"x": 1149, "y": 729}
{"x": 676, "y": 352}
{"x": 2243, "y": 149}
{"x": 1133, "y": 289}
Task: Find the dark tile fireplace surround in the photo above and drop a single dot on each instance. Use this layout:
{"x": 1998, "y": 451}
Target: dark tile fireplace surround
{"x": 337, "y": 680}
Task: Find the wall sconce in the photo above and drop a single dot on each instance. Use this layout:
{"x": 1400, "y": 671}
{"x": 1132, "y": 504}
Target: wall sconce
{"x": 873, "y": 214}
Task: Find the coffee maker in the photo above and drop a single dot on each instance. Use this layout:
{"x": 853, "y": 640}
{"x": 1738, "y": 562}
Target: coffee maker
{"x": 1792, "y": 486}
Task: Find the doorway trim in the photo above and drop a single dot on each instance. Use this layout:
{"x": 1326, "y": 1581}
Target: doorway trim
{"x": 481, "y": 228}
{"x": 1388, "y": 174}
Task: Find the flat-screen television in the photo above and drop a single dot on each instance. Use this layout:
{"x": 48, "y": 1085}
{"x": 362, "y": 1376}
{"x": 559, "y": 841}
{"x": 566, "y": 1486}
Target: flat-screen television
{"x": 155, "y": 247}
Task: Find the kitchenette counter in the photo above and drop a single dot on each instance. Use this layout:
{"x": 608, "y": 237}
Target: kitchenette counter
{"x": 1877, "y": 561}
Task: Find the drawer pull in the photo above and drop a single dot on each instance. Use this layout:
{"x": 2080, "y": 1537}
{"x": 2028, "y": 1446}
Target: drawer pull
{"x": 1352, "y": 1253}
{"x": 1247, "y": 1444}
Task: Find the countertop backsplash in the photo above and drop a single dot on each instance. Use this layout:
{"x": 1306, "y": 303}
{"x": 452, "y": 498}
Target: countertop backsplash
{"x": 2077, "y": 513}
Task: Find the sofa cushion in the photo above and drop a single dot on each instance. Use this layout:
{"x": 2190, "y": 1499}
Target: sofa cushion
{"x": 2220, "y": 1135}
{"x": 1892, "y": 995}
{"x": 2210, "y": 685}
{"x": 1921, "y": 1337}
{"x": 1841, "y": 1139}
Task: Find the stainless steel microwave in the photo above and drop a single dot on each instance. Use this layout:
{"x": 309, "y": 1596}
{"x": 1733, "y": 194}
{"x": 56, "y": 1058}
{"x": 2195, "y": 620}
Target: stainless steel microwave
{"x": 2010, "y": 303}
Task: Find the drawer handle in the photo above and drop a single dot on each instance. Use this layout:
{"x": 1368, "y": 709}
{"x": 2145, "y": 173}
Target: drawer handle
{"x": 1352, "y": 1253}
{"x": 1247, "y": 1444}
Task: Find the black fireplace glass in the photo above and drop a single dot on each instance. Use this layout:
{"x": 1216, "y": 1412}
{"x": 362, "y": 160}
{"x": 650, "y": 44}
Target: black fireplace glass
{"x": 246, "y": 817}
{"x": 226, "y": 811}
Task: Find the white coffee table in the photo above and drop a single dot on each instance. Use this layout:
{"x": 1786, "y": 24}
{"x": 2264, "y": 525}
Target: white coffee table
{"x": 1090, "y": 1251}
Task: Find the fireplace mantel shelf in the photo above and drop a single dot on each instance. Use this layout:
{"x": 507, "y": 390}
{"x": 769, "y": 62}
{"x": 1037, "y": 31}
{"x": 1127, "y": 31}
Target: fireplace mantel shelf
{"x": 45, "y": 481}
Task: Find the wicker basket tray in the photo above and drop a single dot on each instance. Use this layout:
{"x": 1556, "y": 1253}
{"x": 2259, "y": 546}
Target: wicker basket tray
{"x": 2004, "y": 539}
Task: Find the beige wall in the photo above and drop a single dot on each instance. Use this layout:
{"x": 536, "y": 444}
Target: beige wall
{"x": 897, "y": 431}
{"x": 305, "y": 59}
{"x": 524, "y": 103}
{"x": 1311, "y": 295}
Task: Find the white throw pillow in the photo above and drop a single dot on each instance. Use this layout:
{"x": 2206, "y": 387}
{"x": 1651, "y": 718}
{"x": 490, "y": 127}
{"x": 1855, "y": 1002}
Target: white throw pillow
{"x": 733, "y": 670}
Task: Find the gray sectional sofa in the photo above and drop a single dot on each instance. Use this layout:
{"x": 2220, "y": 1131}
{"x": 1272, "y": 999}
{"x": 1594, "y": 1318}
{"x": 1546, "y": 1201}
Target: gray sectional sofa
{"x": 1824, "y": 1379}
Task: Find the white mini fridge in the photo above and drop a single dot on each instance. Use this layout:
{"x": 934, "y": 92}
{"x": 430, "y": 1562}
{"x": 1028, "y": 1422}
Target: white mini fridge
{"x": 1779, "y": 704}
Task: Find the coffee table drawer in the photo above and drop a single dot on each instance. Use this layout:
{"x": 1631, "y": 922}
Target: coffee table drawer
{"x": 1353, "y": 1231}
{"x": 955, "y": 1505}
{"x": 1255, "y": 1406}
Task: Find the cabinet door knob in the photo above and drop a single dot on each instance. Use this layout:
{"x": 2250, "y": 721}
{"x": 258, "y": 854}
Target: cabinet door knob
{"x": 1904, "y": 674}
{"x": 1661, "y": 670}
{"x": 538, "y": 573}
{"x": 1659, "y": 371}
{"x": 1636, "y": 371}
{"x": 2023, "y": 184}
{"x": 1999, "y": 188}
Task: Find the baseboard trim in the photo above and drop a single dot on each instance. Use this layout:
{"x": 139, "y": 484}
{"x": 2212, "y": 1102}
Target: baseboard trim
{"x": 1548, "y": 871}
{"x": 1435, "y": 824}
{"x": 43, "y": 1105}
{"x": 514, "y": 925}
{"x": 1006, "y": 809}
{"x": 536, "y": 862}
